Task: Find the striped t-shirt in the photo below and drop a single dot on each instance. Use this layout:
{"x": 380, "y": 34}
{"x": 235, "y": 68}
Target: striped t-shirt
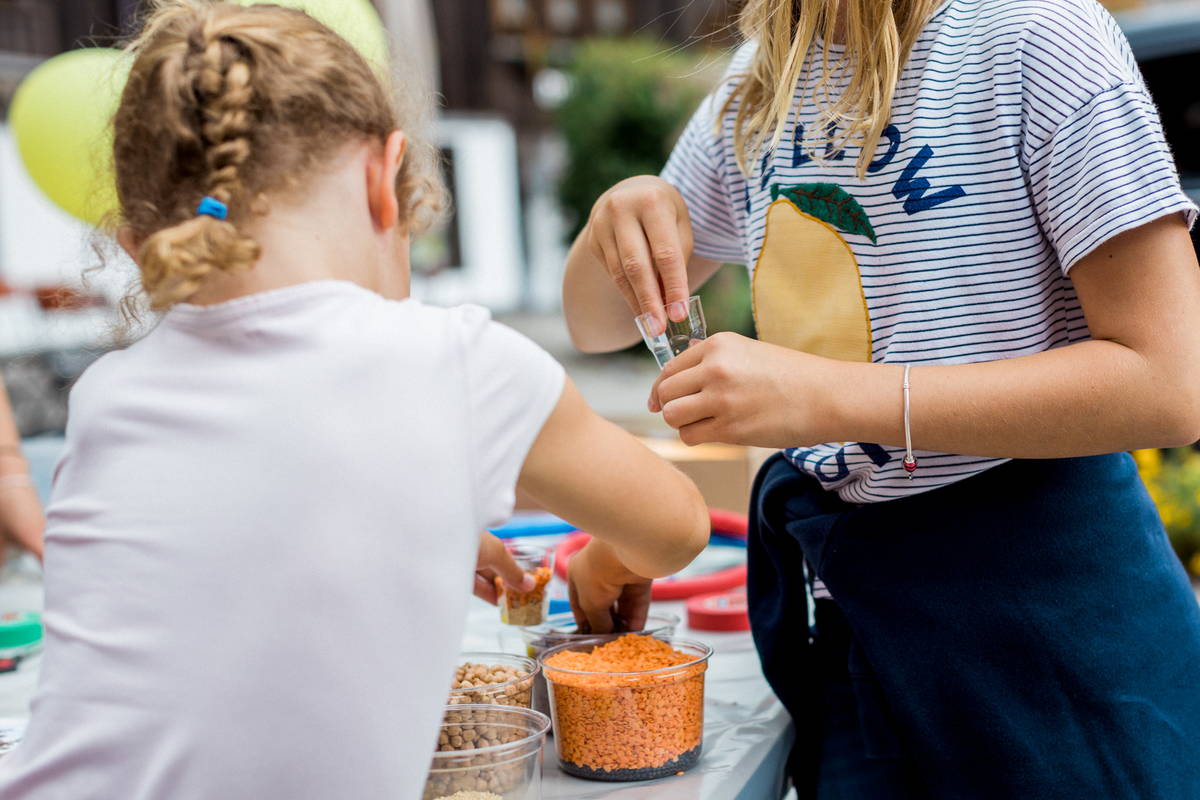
{"x": 1022, "y": 136}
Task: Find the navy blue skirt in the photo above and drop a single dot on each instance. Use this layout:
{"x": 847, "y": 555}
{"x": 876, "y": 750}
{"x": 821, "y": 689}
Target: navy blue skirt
{"x": 1024, "y": 633}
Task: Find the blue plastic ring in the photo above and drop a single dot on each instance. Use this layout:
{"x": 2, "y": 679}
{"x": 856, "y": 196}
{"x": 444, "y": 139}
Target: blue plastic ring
{"x": 212, "y": 207}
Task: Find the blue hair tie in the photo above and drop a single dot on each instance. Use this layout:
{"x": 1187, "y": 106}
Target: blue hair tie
{"x": 212, "y": 207}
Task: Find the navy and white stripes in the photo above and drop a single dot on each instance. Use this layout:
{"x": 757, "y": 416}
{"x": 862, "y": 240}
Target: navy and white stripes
{"x": 1022, "y": 137}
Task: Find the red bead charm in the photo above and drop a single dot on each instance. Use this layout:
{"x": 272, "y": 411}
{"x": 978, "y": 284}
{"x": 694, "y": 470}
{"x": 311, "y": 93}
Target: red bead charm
{"x": 910, "y": 465}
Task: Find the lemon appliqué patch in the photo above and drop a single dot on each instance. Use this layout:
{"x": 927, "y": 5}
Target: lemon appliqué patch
{"x": 807, "y": 290}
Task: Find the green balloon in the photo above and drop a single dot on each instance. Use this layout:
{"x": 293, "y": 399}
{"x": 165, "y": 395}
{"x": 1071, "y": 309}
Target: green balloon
{"x": 61, "y": 120}
{"x": 356, "y": 21}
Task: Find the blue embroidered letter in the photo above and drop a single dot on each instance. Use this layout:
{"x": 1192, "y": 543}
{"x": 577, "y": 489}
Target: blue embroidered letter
{"x": 830, "y": 136}
{"x": 914, "y": 188}
{"x": 877, "y": 454}
{"x": 799, "y": 157}
{"x": 893, "y": 136}
{"x": 839, "y": 458}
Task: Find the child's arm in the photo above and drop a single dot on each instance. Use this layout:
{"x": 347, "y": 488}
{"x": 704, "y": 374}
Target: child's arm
{"x": 1135, "y": 384}
{"x": 21, "y": 519}
{"x": 647, "y": 519}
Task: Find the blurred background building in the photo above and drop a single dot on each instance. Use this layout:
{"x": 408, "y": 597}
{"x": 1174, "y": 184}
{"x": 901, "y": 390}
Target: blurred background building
{"x": 548, "y": 101}
{"x": 524, "y": 156}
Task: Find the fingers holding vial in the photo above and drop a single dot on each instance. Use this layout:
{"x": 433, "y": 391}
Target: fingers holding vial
{"x": 678, "y": 335}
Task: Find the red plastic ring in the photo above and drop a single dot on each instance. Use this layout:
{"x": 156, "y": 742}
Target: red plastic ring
{"x": 726, "y": 523}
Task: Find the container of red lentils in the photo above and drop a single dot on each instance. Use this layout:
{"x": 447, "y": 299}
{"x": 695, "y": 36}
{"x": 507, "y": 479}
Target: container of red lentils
{"x": 487, "y": 752}
{"x": 627, "y": 707}
{"x": 561, "y": 629}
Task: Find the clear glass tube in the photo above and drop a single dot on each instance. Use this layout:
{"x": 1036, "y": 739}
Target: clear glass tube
{"x": 677, "y": 337}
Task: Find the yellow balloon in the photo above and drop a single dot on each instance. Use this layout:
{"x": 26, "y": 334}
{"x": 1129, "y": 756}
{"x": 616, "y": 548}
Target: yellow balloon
{"x": 356, "y": 21}
{"x": 62, "y": 112}
{"x": 61, "y": 121}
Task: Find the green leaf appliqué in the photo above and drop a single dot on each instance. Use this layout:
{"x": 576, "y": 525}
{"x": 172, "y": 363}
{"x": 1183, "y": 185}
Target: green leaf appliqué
{"x": 830, "y": 203}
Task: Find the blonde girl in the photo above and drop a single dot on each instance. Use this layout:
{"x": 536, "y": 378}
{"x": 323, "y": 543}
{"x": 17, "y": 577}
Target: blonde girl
{"x": 263, "y": 531}
{"x": 973, "y": 287}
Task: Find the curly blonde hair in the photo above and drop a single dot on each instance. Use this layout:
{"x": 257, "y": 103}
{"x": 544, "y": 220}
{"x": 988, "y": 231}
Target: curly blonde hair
{"x": 238, "y": 103}
{"x": 879, "y": 35}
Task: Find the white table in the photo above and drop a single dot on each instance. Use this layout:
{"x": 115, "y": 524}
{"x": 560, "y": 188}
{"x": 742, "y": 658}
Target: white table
{"x": 747, "y": 734}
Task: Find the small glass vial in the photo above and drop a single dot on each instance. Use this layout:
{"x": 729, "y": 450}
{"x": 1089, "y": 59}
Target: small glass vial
{"x": 677, "y": 337}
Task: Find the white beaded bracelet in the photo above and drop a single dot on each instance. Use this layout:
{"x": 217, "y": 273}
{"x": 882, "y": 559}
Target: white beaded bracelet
{"x": 910, "y": 461}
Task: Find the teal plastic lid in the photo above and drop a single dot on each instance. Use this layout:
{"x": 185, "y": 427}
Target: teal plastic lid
{"x": 20, "y": 629}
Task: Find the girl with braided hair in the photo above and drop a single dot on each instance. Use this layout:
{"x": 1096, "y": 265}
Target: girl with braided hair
{"x": 265, "y": 524}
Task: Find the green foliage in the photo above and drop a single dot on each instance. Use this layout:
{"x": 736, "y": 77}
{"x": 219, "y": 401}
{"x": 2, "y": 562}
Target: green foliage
{"x": 629, "y": 101}
{"x": 828, "y": 202}
{"x": 1173, "y": 479}
{"x": 726, "y": 299}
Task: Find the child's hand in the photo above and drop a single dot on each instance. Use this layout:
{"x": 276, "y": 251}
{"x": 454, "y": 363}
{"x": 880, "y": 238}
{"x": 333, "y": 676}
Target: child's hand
{"x": 495, "y": 561}
{"x": 605, "y": 596}
{"x": 640, "y": 230}
{"x": 21, "y": 519}
{"x": 736, "y": 390}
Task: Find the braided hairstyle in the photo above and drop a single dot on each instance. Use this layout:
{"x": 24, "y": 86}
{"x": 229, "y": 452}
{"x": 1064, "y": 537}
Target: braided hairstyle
{"x": 239, "y": 103}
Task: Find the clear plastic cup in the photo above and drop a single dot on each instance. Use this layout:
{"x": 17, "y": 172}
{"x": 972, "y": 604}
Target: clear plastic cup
{"x": 677, "y": 337}
{"x": 488, "y": 750}
{"x": 516, "y": 691}
{"x": 561, "y": 629}
{"x": 527, "y": 608}
{"x": 628, "y": 726}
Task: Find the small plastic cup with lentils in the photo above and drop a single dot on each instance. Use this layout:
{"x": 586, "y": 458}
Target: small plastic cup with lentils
{"x": 527, "y": 608}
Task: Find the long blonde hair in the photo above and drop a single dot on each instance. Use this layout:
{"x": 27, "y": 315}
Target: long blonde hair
{"x": 879, "y": 34}
{"x": 238, "y": 103}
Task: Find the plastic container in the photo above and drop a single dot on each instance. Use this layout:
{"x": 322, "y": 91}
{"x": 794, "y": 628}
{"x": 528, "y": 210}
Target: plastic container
{"x": 560, "y": 629}
{"x": 515, "y": 691}
{"x": 488, "y": 752}
{"x": 527, "y": 608}
{"x": 628, "y": 726}
{"x": 20, "y": 637}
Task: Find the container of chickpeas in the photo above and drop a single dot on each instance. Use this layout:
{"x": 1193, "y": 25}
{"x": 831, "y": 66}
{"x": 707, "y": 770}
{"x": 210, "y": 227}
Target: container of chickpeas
{"x": 559, "y": 629}
{"x": 487, "y": 752}
{"x": 493, "y": 678}
{"x": 627, "y": 707}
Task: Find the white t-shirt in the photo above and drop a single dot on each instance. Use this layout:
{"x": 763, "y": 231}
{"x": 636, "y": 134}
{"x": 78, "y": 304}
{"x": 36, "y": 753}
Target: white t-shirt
{"x": 1022, "y": 137}
{"x": 261, "y": 544}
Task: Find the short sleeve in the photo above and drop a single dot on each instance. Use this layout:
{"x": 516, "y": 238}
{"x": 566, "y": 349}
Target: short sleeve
{"x": 1093, "y": 146}
{"x": 512, "y": 386}
{"x": 697, "y": 170}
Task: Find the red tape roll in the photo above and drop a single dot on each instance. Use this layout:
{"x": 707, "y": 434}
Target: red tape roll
{"x": 724, "y": 611}
{"x": 726, "y": 523}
